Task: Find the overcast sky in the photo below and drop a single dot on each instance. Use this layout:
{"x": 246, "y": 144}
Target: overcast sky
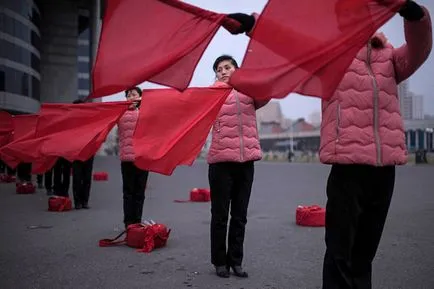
{"x": 294, "y": 106}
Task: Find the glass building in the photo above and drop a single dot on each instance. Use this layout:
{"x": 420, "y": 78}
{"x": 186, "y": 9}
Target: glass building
{"x": 46, "y": 51}
{"x": 20, "y": 58}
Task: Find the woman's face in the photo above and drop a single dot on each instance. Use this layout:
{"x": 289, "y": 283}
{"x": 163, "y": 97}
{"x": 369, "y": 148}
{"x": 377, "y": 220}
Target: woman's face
{"x": 224, "y": 70}
{"x": 133, "y": 95}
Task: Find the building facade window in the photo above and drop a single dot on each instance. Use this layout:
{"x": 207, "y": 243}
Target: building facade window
{"x": 83, "y": 53}
{"x": 83, "y": 84}
{"x": 20, "y": 44}
{"x": 2, "y": 80}
{"x": 18, "y": 82}
{"x": 19, "y": 29}
{"x": 22, "y": 7}
{"x": 83, "y": 66}
{"x": 19, "y": 54}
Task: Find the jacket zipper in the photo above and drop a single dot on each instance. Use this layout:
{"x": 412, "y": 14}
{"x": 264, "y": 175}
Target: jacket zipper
{"x": 240, "y": 127}
{"x": 376, "y": 100}
{"x": 338, "y": 121}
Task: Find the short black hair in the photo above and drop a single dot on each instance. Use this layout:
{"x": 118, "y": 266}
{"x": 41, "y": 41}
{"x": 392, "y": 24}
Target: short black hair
{"x": 136, "y": 88}
{"x": 224, "y": 58}
{"x": 77, "y": 101}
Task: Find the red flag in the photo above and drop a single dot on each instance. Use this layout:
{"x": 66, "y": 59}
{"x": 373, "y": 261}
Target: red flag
{"x": 307, "y": 46}
{"x": 173, "y": 126}
{"x": 151, "y": 40}
{"x": 71, "y": 131}
{"x": 43, "y": 165}
{"x": 76, "y": 131}
{"x": 23, "y": 133}
{"x": 24, "y": 127}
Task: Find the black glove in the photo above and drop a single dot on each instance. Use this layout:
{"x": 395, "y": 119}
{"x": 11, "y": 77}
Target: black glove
{"x": 138, "y": 103}
{"x": 411, "y": 11}
{"x": 247, "y": 21}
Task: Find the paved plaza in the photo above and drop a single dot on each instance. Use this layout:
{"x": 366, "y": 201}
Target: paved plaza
{"x": 41, "y": 249}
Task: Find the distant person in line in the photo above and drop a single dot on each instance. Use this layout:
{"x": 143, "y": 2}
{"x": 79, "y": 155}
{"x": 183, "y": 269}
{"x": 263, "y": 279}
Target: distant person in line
{"x": 234, "y": 149}
{"x": 48, "y": 181}
{"x": 39, "y": 181}
{"x": 81, "y": 179}
{"x": 290, "y": 155}
{"x": 62, "y": 177}
{"x": 24, "y": 173}
{"x": 134, "y": 179}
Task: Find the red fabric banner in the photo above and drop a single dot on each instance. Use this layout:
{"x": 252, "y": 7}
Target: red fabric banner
{"x": 76, "y": 131}
{"x": 307, "y": 46}
{"x": 24, "y": 127}
{"x": 173, "y": 126}
{"x": 71, "y": 131}
{"x": 151, "y": 40}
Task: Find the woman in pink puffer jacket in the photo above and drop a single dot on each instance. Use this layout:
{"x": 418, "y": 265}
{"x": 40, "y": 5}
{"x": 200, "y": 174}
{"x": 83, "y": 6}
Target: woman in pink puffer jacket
{"x": 234, "y": 148}
{"x": 362, "y": 137}
{"x": 134, "y": 179}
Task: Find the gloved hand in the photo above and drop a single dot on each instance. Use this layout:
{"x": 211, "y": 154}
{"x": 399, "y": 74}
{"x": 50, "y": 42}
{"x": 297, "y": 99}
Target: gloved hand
{"x": 247, "y": 22}
{"x": 411, "y": 11}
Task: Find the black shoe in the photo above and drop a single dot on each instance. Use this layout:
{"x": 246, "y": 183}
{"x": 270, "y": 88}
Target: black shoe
{"x": 85, "y": 206}
{"x": 78, "y": 206}
{"x": 222, "y": 271}
{"x": 239, "y": 272}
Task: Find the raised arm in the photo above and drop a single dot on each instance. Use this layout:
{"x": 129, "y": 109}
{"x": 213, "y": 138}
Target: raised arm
{"x": 418, "y": 36}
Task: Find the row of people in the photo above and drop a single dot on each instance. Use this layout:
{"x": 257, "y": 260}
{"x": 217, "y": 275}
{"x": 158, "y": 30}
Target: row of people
{"x": 56, "y": 181}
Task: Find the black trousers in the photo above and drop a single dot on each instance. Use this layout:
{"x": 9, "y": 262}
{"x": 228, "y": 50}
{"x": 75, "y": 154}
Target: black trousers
{"x": 359, "y": 197}
{"x": 5, "y": 169}
{"x": 24, "y": 172}
{"x": 48, "y": 180}
{"x": 134, "y": 185}
{"x": 62, "y": 175}
{"x": 231, "y": 185}
{"x": 2, "y": 167}
{"x": 39, "y": 179}
{"x": 81, "y": 181}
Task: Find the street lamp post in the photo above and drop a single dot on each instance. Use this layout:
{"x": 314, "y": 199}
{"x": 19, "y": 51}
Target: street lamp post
{"x": 291, "y": 137}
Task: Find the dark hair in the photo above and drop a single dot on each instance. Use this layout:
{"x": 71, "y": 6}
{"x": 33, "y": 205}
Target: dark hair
{"x": 138, "y": 89}
{"x": 224, "y": 58}
{"x": 77, "y": 101}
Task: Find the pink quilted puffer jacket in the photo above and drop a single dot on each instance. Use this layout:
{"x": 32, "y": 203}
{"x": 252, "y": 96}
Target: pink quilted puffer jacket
{"x": 234, "y": 134}
{"x": 361, "y": 123}
{"x": 126, "y": 127}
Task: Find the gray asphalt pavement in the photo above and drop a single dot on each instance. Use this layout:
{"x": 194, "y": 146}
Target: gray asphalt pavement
{"x": 64, "y": 252}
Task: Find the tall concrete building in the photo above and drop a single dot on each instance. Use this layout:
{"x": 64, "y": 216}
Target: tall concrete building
{"x": 411, "y": 104}
{"x": 417, "y": 106}
{"x": 84, "y": 53}
{"x": 405, "y": 101}
{"x": 46, "y": 51}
